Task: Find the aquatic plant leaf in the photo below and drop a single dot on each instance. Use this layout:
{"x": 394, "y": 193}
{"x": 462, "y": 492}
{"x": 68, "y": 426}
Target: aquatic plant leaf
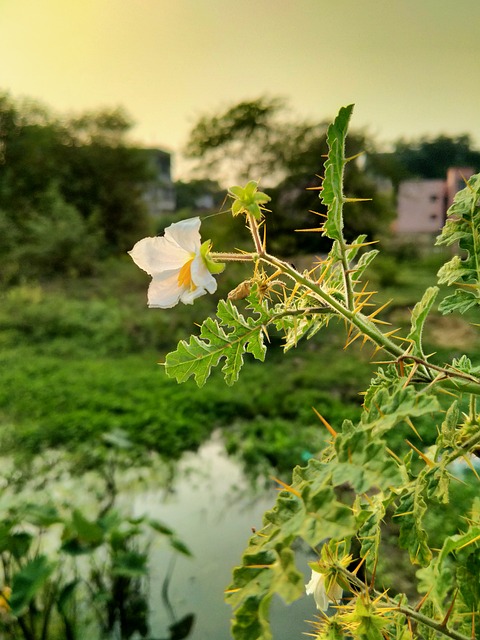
{"x": 28, "y": 582}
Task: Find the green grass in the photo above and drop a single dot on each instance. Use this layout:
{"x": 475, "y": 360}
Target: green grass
{"x": 80, "y": 359}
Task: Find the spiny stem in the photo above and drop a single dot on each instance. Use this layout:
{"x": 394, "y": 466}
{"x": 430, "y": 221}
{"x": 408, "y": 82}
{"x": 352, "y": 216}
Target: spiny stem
{"x": 407, "y": 611}
{"x": 233, "y": 257}
{"x": 252, "y": 225}
{"x": 365, "y": 325}
{"x": 347, "y": 281}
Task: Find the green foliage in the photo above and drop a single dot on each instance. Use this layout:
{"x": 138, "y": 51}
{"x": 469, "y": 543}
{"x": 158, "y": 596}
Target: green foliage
{"x": 368, "y": 482}
{"x": 332, "y": 191}
{"x": 201, "y": 354}
{"x": 70, "y": 189}
{"x": 462, "y": 227}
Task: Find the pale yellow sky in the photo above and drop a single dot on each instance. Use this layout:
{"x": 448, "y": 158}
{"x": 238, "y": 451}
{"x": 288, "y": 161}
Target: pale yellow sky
{"x": 411, "y": 66}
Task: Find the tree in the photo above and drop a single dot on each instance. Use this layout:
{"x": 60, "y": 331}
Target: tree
{"x": 286, "y": 155}
{"x": 81, "y": 168}
{"x": 427, "y": 158}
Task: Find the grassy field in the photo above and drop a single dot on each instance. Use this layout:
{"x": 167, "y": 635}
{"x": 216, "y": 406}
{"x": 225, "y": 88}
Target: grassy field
{"x": 80, "y": 359}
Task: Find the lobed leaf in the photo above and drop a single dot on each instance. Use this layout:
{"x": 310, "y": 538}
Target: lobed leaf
{"x": 200, "y": 354}
{"x": 462, "y": 227}
{"x": 332, "y": 187}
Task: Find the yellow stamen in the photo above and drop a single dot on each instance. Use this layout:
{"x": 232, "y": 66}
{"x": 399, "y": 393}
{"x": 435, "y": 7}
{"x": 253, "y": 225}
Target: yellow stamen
{"x": 185, "y": 275}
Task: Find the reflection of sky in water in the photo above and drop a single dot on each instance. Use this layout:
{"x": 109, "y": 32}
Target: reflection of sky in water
{"x": 212, "y": 508}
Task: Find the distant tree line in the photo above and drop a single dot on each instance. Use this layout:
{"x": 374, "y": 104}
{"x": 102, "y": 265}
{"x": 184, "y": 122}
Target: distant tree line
{"x": 70, "y": 189}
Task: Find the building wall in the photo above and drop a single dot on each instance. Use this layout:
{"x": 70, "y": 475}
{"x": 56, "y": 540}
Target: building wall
{"x": 160, "y": 195}
{"x": 421, "y": 206}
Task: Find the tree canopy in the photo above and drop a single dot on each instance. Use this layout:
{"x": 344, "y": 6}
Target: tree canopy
{"x": 70, "y": 188}
{"x": 286, "y": 153}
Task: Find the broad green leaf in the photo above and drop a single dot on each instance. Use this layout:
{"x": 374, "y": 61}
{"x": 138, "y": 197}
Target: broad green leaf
{"x": 66, "y": 596}
{"x": 130, "y": 564}
{"x": 17, "y": 543}
{"x": 82, "y": 535}
{"x": 28, "y": 582}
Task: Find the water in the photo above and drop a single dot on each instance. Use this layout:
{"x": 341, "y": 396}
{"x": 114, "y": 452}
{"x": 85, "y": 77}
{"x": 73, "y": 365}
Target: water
{"x": 212, "y": 507}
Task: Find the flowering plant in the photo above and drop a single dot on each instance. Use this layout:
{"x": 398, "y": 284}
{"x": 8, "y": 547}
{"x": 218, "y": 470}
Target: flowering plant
{"x": 348, "y": 496}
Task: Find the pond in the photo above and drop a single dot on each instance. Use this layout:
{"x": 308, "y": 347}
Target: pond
{"x": 206, "y": 498}
{"x": 212, "y": 506}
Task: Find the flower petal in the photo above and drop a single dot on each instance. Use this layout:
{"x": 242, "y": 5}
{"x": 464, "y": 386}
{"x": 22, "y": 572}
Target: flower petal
{"x": 164, "y": 291}
{"x": 201, "y": 276}
{"x": 185, "y": 234}
{"x": 316, "y": 587}
{"x": 156, "y": 255}
{"x": 189, "y": 295}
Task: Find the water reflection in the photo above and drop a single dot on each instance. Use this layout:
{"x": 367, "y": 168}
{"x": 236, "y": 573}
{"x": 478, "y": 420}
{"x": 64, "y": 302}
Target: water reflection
{"x": 84, "y": 514}
{"x": 212, "y": 507}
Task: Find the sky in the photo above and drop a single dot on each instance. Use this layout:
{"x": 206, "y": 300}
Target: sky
{"x": 412, "y": 67}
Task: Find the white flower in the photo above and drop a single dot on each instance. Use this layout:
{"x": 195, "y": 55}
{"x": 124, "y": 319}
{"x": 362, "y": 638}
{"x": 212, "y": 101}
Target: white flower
{"x": 316, "y": 587}
{"x": 177, "y": 263}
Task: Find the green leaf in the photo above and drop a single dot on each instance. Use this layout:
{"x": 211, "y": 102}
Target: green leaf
{"x": 364, "y": 463}
{"x": 248, "y": 199}
{"x": 82, "y": 535}
{"x": 447, "y": 437}
{"x": 251, "y": 620}
{"x": 200, "y": 354}
{"x": 66, "y": 596}
{"x": 410, "y": 513}
{"x": 17, "y": 543}
{"x": 369, "y": 533}
{"x": 459, "y": 541}
{"x": 463, "y": 227}
{"x": 130, "y": 564}
{"x": 419, "y": 315}
{"x": 468, "y": 580}
{"x": 332, "y": 191}
{"x": 28, "y": 582}
{"x": 386, "y": 406}
{"x": 180, "y": 546}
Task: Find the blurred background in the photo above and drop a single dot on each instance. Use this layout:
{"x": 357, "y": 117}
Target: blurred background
{"x": 126, "y": 498}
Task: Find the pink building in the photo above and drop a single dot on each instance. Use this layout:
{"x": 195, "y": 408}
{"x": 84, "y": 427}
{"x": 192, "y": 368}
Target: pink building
{"x": 422, "y": 204}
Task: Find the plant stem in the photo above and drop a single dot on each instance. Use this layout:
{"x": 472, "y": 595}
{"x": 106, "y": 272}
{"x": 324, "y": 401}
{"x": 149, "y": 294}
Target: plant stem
{"x": 407, "y": 611}
{"x": 364, "y": 324}
{"x": 233, "y": 257}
